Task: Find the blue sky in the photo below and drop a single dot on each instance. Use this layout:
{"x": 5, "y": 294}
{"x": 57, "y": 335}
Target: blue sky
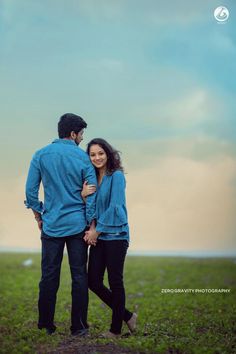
{"x": 156, "y": 78}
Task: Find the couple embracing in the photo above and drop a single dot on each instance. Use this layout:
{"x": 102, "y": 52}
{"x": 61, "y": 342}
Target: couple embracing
{"x": 84, "y": 205}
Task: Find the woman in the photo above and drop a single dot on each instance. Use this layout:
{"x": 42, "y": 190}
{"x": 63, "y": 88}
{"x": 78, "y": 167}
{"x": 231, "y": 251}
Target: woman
{"x": 110, "y": 235}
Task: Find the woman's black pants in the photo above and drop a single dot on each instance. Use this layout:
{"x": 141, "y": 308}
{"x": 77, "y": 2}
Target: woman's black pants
{"x": 110, "y": 255}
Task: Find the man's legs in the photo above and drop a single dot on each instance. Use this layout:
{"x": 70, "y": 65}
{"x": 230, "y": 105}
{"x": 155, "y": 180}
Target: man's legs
{"x": 77, "y": 254}
{"x": 52, "y": 254}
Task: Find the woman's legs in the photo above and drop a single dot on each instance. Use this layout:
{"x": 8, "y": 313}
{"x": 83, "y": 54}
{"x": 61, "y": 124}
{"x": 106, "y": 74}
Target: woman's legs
{"x": 96, "y": 270}
{"x": 115, "y": 258}
{"x": 98, "y": 261}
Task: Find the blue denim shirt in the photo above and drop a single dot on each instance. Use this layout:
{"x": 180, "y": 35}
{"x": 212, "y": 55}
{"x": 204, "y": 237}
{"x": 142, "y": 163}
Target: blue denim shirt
{"x": 111, "y": 212}
{"x": 62, "y": 167}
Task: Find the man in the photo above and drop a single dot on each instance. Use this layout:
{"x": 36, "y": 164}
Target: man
{"x": 62, "y": 167}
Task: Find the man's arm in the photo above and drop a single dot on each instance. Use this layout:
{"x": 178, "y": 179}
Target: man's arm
{"x": 32, "y": 191}
{"x": 38, "y": 218}
{"x": 90, "y": 177}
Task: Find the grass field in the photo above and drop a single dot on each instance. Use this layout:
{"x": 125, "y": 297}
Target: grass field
{"x": 168, "y": 322}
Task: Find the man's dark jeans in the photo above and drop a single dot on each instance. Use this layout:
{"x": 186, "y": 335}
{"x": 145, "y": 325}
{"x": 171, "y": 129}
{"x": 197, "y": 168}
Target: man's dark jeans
{"x": 52, "y": 254}
{"x": 110, "y": 255}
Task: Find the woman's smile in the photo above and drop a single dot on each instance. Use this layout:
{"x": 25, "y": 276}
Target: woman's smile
{"x": 98, "y": 156}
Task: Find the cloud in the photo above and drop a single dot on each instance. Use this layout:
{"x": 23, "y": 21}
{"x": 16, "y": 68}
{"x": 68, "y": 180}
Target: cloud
{"x": 104, "y": 65}
{"x": 182, "y": 12}
{"x": 177, "y": 204}
{"x": 103, "y": 10}
{"x": 18, "y": 227}
{"x": 111, "y": 64}
{"x": 146, "y": 153}
{"x": 157, "y": 12}
{"x": 221, "y": 42}
{"x": 89, "y": 9}
{"x": 180, "y": 204}
{"x": 190, "y": 109}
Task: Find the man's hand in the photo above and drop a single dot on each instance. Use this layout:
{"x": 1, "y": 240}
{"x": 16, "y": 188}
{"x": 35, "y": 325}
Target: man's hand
{"x": 40, "y": 224}
{"x": 38, "y": 218}
{"x": 91, "y": 236}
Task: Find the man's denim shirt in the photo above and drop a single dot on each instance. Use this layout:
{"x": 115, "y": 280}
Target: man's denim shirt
{"x": 62, "y": 167}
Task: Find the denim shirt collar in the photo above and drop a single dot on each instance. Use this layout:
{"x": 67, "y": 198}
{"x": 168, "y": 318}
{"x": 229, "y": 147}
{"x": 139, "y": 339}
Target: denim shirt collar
{"x": 64, "y": 141}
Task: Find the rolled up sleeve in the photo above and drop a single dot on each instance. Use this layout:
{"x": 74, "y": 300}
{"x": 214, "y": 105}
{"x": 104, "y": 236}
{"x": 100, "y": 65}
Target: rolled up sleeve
{"x": 32, "y": 186}
{"x": 90, "y": 177}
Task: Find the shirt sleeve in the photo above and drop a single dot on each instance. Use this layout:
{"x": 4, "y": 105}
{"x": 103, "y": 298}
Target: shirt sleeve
{"x": 114, "y": 219}
{"x": 90, "y": 176}
{"x": 32, "y": 186}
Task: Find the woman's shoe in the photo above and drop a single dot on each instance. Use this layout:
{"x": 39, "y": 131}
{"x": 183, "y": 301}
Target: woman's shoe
{"x": 80, "y": 332}
{"x": 132, "y": 322}
{"x": 110, "y": 335}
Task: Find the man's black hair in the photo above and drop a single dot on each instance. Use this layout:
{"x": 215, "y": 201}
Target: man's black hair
{"x": 68, "y": 123}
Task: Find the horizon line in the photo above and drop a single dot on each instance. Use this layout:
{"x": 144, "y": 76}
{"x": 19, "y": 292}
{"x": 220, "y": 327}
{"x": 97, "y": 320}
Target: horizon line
{"x": 164, "y": 253}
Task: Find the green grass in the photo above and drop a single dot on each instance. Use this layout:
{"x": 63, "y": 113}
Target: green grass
{"x": 168, "y": 323}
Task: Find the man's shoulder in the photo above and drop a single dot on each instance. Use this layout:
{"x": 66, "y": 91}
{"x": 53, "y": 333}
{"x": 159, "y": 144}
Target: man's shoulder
{"x": 72, "y": 150}
{"x": 80, "y": 154}
{"x": 42, "y": 150}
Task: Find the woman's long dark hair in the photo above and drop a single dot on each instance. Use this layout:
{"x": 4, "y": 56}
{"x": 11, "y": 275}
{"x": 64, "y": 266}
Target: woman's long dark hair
{"x": 113, "y": 155}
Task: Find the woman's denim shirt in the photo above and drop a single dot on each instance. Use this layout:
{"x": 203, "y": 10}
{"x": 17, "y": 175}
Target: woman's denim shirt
{"x": 111, "y": 212}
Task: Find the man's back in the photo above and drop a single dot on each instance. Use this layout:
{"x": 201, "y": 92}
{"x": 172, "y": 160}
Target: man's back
{"x": 62, "y": 167}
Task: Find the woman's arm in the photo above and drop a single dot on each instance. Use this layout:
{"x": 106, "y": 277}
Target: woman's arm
{"x": 118, "y": 189}
{"x": 114, "y": 218}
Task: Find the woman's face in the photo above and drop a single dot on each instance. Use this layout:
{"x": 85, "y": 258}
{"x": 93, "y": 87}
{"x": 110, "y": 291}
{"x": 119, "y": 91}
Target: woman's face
{"x": 98, "y": 156}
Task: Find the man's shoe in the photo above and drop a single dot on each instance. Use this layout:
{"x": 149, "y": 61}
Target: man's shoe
{"x": 132, "y": 323}
{"x": 80, "y": 332}
{"x": 49, "y": 330}
{"x": 109, "y": 335}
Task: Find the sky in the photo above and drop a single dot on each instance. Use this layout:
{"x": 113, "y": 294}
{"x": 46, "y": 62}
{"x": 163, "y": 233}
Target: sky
{"x": 154, "y": 78}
